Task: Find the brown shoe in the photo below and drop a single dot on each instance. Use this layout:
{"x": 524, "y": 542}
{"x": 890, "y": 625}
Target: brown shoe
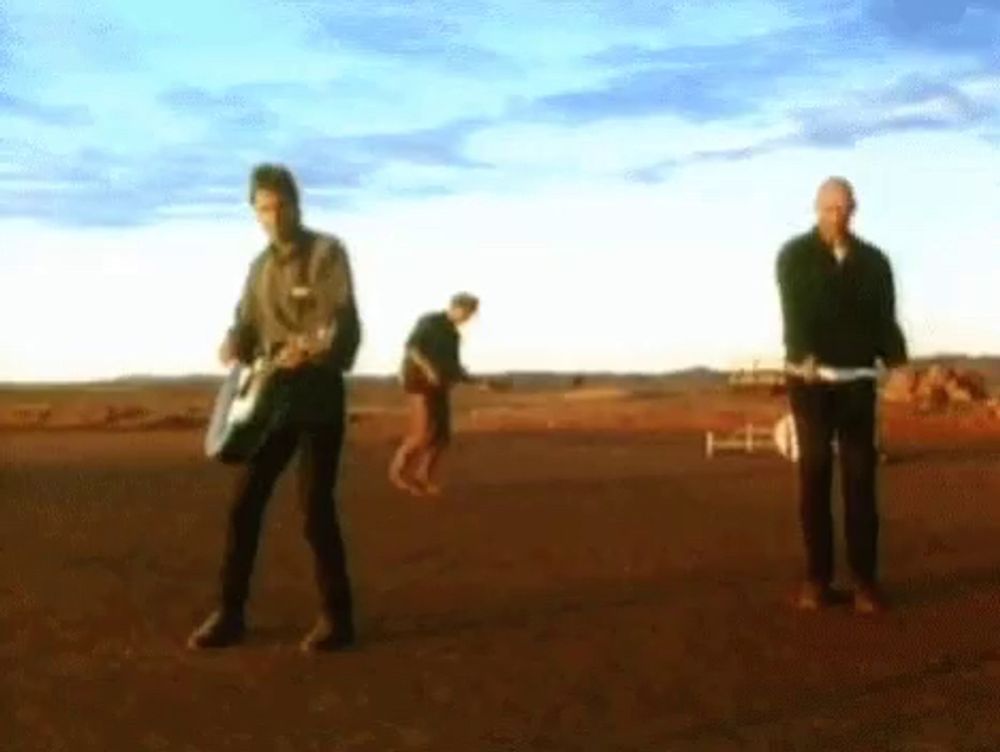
{"x": 328, "y": 635}
{"x": 814, "y": 595}
{"x": 220, "y": 630}
{"x": 868, "y": 600}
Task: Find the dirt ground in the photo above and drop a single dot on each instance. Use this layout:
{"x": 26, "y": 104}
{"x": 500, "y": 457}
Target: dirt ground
{"x": 585, "y": 584}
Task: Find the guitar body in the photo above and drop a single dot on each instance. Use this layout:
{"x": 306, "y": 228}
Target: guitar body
{"x": 243, "y": 414}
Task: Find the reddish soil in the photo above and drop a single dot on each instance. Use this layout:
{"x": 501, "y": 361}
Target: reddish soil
{"x": 575, "y": 589}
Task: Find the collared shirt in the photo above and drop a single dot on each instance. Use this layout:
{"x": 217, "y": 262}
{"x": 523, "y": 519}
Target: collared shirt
{"x": 840, "y": 251}
{"x": 841, "y": 312}
{"x": 305, "y": 293}
{"x": 290, "y": 265}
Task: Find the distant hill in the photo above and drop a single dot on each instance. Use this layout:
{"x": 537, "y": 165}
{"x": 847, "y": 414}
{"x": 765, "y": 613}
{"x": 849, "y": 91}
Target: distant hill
{"x": 698, "y": 377}
{"x": 690, "y": 378}
{"x": 194, "y": 379}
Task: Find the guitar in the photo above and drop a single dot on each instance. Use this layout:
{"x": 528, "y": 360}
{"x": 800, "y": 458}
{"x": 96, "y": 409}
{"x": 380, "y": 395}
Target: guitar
{"x": 785, "y": 433}
{"x": 831, "y": 374}
{"x": 253, "y": 399}
{"x": 244, "y": 413}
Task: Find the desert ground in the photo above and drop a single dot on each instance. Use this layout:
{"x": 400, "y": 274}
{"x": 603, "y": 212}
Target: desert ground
{"x": 589, "y": 581}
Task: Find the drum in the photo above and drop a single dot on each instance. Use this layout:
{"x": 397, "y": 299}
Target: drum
{"x": 786, "y": 439}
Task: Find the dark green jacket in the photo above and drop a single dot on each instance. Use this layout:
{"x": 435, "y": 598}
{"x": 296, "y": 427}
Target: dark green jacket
{"x": 437, "y": 338}
{"x": 843, "y": 313}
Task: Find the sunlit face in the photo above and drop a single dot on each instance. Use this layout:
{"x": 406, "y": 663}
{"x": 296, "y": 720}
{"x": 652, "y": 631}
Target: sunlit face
{"x": 459, "y": 315}
{"x": 834, "y": 209}
{"x": 277, "y": 215}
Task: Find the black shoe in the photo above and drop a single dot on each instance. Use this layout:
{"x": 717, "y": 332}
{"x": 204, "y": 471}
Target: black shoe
{"x": 329, "y": 635}
{"x": 219, "y": 630}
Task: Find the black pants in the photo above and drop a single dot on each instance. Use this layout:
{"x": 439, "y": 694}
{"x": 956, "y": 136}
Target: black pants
{"x": 847, "y": 412}
{"x": 319, "y": 461}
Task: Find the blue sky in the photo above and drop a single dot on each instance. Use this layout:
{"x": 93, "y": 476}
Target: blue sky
{"x": 613, "y": 177}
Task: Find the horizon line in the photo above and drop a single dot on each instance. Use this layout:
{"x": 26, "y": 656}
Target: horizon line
{"x": 584, "y": 372}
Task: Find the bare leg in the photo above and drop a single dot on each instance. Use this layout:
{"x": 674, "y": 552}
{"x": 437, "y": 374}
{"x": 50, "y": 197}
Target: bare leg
{"x": 412, "y": 446}
{"x": 427, "y": 467}
{"x": 438, "y": 433}
{"x": 398, "y": 475}
{"x": 406, "y": 451}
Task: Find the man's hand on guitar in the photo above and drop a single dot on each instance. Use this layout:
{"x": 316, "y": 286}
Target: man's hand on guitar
{"x": 292, "y": 355}
{"x": 808, "y": 369}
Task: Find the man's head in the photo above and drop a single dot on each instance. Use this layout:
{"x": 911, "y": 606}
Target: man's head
{"x": 834, "y": 208}
{"x": 463, "y": 306}
{"x": 275, "y": 199}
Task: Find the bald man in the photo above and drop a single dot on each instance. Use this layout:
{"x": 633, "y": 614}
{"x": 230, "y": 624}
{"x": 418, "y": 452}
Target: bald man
{"x": 838, "y": 309}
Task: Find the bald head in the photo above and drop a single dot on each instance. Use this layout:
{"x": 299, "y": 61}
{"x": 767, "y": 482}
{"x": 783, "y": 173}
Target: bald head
{"x": 835, "y": 206}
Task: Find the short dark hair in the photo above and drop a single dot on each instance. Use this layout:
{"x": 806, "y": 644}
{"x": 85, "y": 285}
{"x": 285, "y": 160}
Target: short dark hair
{"x": 466, "y": 301}
{"x": 274, "y": 177}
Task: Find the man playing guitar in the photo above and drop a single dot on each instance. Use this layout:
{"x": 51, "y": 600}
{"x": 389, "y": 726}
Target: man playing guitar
{"x": 298, "y": 316}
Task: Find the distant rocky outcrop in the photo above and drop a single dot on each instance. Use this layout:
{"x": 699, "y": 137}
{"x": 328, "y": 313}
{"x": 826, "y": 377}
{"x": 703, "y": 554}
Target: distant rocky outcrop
{"x": 936, "y": 387}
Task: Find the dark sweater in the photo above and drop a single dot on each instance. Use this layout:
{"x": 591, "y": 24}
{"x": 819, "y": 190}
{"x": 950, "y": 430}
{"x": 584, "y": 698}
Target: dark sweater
{"x": 842, "y": 313}
{"x": 437, "y": 338}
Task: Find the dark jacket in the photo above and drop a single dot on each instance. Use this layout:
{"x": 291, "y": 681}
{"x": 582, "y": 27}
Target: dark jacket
{"x": 843, "y": 313}
{"x": 437, "y": 338}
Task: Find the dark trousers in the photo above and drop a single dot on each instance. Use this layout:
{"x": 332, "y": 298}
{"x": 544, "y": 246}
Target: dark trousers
{"x": 845, "y": 412}
{"x": 319, "y": 460}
